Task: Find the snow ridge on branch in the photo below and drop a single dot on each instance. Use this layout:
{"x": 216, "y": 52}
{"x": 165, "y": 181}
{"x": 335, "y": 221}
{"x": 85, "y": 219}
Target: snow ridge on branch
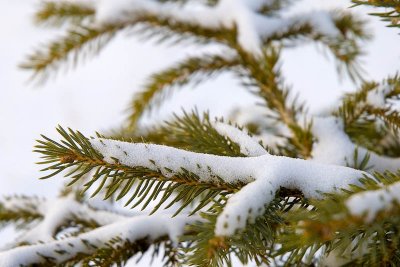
{"x": 371, "y": 202}
{"x": 264, "y": 175}
{"x": 252, "y": 27}
{"x": 132, "y": 229}
{"x": 248, "y": 145}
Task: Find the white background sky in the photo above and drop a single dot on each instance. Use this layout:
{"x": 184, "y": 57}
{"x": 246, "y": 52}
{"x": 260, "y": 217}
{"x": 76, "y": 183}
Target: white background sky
{"x": 94, "y": 97}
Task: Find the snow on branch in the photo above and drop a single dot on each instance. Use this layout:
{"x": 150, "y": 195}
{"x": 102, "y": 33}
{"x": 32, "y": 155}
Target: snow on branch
{"x": 381, "y": 95}
{"x": 57, "y": 212}
{"x": 252, "y": 26}
{"x": 131, "y": 229}
{"x": 370, "y": 203}
{"x": 333, "y": 146}
{"x": 29, "y": 204}
{"x": 264, "y": 175}
{"x": 248, "y": 145}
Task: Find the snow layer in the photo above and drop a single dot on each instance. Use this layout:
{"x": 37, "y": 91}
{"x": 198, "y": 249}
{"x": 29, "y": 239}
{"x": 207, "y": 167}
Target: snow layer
{"x": 56, "y": 213}
{"x": 150, "y": 227}
{"x": 269, "y": 130}
{"x": 333, "y": 146}
{"x": 252, "y": 27}
{"x": 264, "y": 174}
{"x": 248, "y": 145}
{"x": 377, "y": 97}
{"x": 371, "y": 202}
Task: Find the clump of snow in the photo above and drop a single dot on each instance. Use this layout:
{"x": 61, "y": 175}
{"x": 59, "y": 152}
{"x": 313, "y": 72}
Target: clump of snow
{"x": 264, "y": 175}
{"x": 377, "y": 97}
{"x": 369, "y": 203}
{"x": 132, "y": 229}
{"x": 309, "y": 177}
{"x": 170, "y": 161}
{"x": 333, "y": 146}
{"x": 31, "y": 204}
{"x": 56, "y": 213}
{"x": 252, "y": 26}
{"x": 248, "y": 145}
{"x": 269, "y": 131}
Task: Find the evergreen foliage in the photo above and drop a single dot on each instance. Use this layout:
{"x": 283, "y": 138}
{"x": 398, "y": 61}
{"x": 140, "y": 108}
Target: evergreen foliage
{"x": 391, "y": 13}
{"x": 176, "y": 211}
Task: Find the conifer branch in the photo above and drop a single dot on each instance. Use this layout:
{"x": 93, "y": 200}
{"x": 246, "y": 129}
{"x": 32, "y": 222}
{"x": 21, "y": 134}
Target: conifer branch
{"x": 252, "y": 204}
{"x": 345, "y": 47}
{"x": 162, "y": 29}
{"x": 101, "y": 244}
{"x": 164, "y": 169}
{"x": 264, "y": 75}
{"x": 364, "y": 111}
{"x": 75, "y": 153}
{"x": 59, "y": 13}
{"x": 42, "y": 220}
{"x": 118, "y": 251}
{"x": 191, "y": 70}
{"x": 392, "y": 16}
{"x": 20, "y": 210}
{"x": 332, "y": 227}
{"x": 165, "y": 26}
{"x": 190, "y": 132}
{"x": 211, "y": 250}
{"x": 79, "y": 43}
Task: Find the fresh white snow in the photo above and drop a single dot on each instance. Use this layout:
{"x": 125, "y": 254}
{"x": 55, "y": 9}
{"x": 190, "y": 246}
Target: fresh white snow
{"x": 248, "y": 145}
{"x": 56, "y": 212}
{"x": 377, "y": 97}
{"x": 264, "y": 175}
{"x": 369, "y": 203}
{"x": 19, "y": 153}
{"x": 333, "y": 146}
{"x": 252, "y": 27}
{"x": 132, "y": 229}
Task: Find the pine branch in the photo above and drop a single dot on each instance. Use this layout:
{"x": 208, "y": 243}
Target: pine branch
{"x": 174, "y": 25}
{"x": 191, "y": 70}
{"x": 145, "y": 184}
{"x": 153, "y": 26}
{"x": 265, "y": 77}
{"x": 138, "y": 232}
{"x": 56, "y": 14}
{"x": 20, "y": 210}
{"x": 41, "y": 220}
{"x": 79, "y": 43}
{"x": 249, "y": 245}
{"x": 118, "y": 251}
{"x": 345, "y": 46}
{"x": 64, "y": 213}
{"x": 369, "y": 117}
{"x": 84, "y": 40}
{"x": 392, "y": 16}
{"x": 155, "y": 166}
{"x": 332, "y": 227}
{"x": 190, "y": 132}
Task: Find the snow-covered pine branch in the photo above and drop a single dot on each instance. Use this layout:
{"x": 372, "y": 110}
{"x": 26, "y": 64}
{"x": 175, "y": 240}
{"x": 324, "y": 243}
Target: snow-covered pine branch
{"x": 248, "y": 145}
{"x": 333, "y": 146}
{"x": 259, "y": 176}
{"x": 370, "y": 203}
{"x": 57, "y": 213}
{"x": 264, "y": 175}
{"x": 238, "y": 24}
{"x": 252, "y": 27}
{"x": 138, "y": 228}
{"x": 243, "y": 193}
